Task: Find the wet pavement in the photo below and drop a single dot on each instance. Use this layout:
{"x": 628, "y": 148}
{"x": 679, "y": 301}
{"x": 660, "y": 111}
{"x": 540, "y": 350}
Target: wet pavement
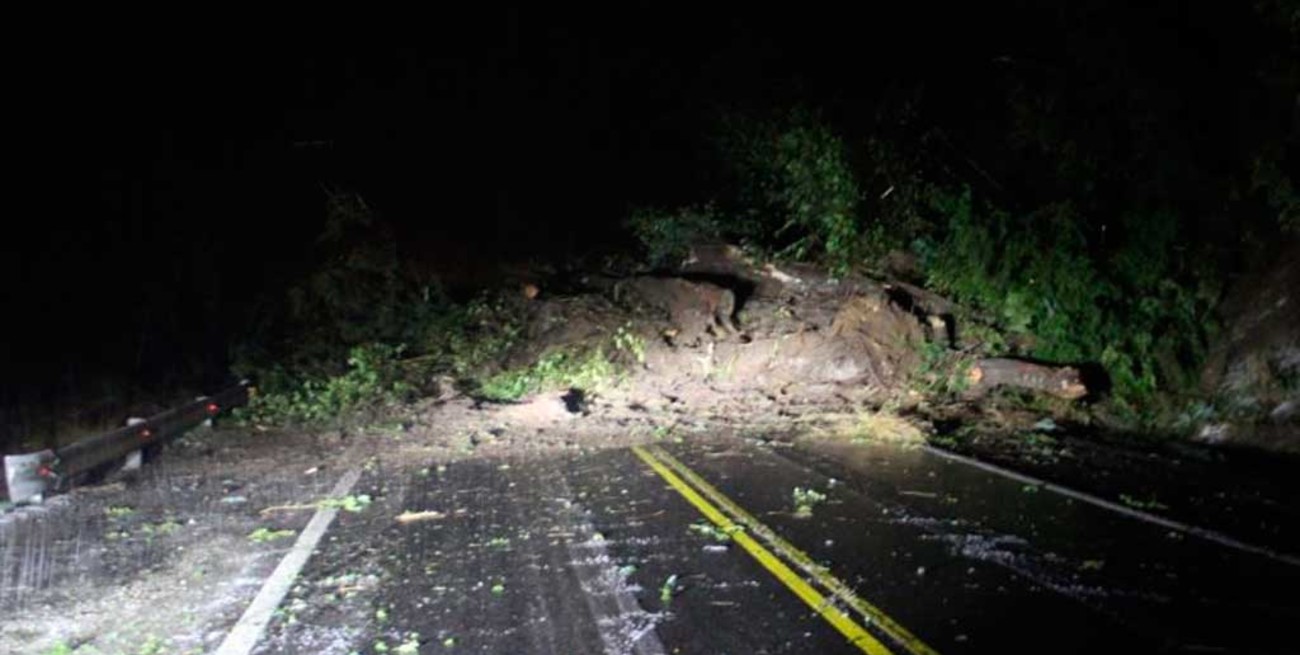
{"x": 597, "y": 553}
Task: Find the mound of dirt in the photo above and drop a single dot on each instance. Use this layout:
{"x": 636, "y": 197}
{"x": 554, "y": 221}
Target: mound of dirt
{"x": 1254, "y": 368}
{"x": 735, "y": 328}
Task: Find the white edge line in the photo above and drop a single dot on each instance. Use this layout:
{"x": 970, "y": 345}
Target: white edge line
{"x": 1204, "y": 533}
{"x": 244, "y": 636}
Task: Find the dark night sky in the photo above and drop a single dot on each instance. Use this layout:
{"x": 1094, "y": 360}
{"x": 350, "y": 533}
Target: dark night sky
{"x": 168, "y": 179}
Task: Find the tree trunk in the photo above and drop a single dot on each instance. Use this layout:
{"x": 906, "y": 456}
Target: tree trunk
{"x": 1060, "y": 381}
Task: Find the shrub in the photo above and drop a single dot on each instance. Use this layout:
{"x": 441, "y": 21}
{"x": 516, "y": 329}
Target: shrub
{"x": 373, "y": 378}
{"x": 585, "y": 369}
{"x": 354, "y": 291}
{"x": 791, "y": 192}
{"x": 794, "y": 187}
{"x": 667, "y": 235}
{"x": 1280, "y": 194}
{"x": 1137, "y": 306}
{"x": 589, "y": 367}
{"x": 465, "y": 339}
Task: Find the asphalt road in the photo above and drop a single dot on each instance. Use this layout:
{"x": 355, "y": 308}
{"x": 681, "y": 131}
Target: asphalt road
{"x": 637, "y": 551}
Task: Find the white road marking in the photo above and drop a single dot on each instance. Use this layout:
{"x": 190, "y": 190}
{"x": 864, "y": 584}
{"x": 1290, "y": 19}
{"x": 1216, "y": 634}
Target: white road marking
{"x": 1186, "y": 528}
{"x": 243, "y": 637}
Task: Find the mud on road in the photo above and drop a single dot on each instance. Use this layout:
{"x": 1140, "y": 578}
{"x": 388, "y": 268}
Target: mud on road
{"x": 165, "y": 560}
{"x": 527, "y": 528}
{"x": 160, "y": 561}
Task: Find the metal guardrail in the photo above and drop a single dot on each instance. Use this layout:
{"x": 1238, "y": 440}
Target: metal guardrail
{"x": 30, "y": 476}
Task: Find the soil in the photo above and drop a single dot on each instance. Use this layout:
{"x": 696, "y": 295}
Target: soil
{"x": 1251, "y": 376}
{"x": 162, "y": 561}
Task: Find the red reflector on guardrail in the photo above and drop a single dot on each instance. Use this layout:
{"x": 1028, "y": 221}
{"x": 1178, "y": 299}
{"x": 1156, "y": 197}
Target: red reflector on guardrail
{"x": 146, "y": 433}
{"x": 45, "y": 472}
{"x": 213, "y": 408}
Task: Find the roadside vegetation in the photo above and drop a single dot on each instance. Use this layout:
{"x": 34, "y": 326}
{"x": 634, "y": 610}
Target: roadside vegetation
{"x": 583, "y": 367}
{"x": 1077, "y": 236}
{"x": 360, "y": 333}
{"x": 1066, "y": 278}
{"x": 1077, "y": 253}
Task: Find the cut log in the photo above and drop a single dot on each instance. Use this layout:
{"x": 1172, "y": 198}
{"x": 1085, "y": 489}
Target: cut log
{"x": 1060, "y": 381}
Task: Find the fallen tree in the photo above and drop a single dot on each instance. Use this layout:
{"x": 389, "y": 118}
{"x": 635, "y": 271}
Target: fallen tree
{"x": 990, "y": 373}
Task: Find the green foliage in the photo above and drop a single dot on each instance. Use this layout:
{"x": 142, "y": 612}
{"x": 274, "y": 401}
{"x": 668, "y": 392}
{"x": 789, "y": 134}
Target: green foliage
{"x": 1031, "y": 272}
{"x": 668, "y": 589}
{"x": 409, "y": 647}
{"x": 1278, "y": 189}
{"x": 1140, "y": 307}
{"x": 579, "y": 368}
{"x": 805, "y": 500}
{"x": 373, "y": 378}
{"x": 353, "y": 503}
{"x": 898, "y": 195}
{"x": 1193, "y": 415}
{"x": 712, "y": 532}
{"x": 792, "y": 192}
{"x": 942, "y": 371}
{"x": 326, "y": 349}
{"x": 795, "y": 187}
{"x": 355, "y": 292}
{"x": 630, "y": 343}
{"x": 587, "y": 367}
{"x": 465, "y": 339}
{"x": 668, "y": 235}
{"x": 1142, "y": 503}
{"x": 264, "y": 535}
{"x": 116, "y": 512}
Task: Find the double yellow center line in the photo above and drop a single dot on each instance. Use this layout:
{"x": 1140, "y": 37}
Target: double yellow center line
{"x": 747, "y": 532}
